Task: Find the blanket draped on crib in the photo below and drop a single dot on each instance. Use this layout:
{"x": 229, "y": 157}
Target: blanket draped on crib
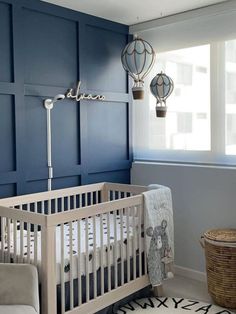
{"x": 158, "y": 214}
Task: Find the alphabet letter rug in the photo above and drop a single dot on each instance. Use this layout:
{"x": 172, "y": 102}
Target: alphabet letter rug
{"x": 170, "y": 305}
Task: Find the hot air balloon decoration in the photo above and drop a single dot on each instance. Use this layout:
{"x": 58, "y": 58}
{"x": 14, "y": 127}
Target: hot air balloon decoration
{"x": 161, "y": 87}
{"x": 137, "y": 59}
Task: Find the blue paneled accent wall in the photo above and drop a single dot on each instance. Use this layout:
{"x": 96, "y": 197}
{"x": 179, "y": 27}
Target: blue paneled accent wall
{"x": 44, "y": 50}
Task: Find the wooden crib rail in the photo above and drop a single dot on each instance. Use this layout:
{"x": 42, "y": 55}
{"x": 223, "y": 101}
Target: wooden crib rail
{"x": 23, "y": 216}
{"x": 65, "y": 217}
{"x": 43, "y": 196}
{"x": 125, "y": 188}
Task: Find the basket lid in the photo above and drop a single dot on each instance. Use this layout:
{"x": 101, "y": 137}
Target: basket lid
{"x": 221, "y": 235}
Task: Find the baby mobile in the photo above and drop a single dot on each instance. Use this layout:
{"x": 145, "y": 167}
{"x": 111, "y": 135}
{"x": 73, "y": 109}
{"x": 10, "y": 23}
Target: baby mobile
{"x": 138, "y": 58}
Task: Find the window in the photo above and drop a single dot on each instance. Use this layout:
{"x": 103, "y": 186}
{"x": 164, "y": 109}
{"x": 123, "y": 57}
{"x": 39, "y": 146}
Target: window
{"x": 200, "y": 125}
{"x": 191, "y": 96}
{"x": 230, "y": 96}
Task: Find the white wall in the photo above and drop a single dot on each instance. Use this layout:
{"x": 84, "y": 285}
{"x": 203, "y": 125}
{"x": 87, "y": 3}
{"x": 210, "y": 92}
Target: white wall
{"x": 203, "y": 198}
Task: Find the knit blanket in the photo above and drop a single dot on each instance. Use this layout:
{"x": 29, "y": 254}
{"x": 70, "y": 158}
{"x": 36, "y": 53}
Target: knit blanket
{"x": 159, "y": 233}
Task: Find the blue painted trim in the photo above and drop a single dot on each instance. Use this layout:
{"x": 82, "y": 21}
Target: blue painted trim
{"x": 47, "y": 91}
{"x": 82, "y": 105}
{"x": 8, "y": 177}
{"x": 18, "y": 51}
{"x": 113, "y": 165}
{"x": 8, "y": 1}
{"x": 41, "y": 173}
{"x": 7, "y": 88}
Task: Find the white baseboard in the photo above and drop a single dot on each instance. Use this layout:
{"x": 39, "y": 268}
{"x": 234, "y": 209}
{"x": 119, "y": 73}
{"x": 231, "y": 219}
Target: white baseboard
{"x": 190, "y": 273}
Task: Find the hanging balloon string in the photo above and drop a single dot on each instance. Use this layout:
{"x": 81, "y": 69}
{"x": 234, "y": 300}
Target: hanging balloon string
{"x": 161, "y": 102}
{"x": 138, "y": 82}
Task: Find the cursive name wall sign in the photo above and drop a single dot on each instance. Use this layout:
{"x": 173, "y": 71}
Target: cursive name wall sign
{"x": 75, "y": 94}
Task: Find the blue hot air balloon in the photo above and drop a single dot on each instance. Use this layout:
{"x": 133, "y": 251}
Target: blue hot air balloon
{"x": 161, "y": 87}
{"x": 137, "y": 59}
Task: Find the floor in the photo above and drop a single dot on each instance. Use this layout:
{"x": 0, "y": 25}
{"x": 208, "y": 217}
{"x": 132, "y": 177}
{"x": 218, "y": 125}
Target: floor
{"x": 187, "y": 288}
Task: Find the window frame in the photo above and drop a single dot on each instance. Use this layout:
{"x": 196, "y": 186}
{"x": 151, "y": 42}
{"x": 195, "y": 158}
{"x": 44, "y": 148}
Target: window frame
{"x": 217, "y": 153}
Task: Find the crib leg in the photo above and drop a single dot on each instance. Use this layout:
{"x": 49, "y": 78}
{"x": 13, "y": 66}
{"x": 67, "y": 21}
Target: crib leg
{"x": 158, "y": 291}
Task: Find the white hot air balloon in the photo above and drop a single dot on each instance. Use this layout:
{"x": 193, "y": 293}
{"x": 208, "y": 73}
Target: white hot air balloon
{"x": 137, "y": 59}
{"x": 161, "y": 87}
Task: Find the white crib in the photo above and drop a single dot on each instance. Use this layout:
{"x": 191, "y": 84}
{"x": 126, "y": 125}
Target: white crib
{"x": 88, "y": 242}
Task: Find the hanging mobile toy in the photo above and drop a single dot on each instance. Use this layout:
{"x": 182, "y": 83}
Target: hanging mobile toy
{"x": 137, "y": 59}
{"x": 161, "y": 87}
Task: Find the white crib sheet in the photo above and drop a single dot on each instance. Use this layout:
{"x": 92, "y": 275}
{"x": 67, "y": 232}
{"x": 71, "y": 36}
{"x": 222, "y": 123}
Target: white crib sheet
{"x": 86, "y": 248}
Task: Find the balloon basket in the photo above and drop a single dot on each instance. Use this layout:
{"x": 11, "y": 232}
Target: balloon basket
{"x": 138, "y": 93}
{"x": 161, "y": 112}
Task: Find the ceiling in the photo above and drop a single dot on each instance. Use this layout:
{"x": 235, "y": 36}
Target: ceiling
{"x": 131, "y": 12}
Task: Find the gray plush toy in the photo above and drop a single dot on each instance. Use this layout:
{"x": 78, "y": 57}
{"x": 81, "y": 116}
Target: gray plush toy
{"x": 158, "y": 253}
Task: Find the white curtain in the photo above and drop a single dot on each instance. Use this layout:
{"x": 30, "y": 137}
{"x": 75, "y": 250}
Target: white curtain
{"x": 192, "y": 30}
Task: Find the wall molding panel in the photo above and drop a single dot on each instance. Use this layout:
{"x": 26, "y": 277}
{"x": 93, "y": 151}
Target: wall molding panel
{"x": 44, "y": 50}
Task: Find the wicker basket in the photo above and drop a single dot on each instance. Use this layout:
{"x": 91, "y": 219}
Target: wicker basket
{"x": 220, "y": 252}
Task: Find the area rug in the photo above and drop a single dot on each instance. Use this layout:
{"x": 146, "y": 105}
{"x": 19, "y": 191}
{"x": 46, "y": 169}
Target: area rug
{"x": 171, "y": 305}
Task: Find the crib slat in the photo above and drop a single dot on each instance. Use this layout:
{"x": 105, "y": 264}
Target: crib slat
{"x": 35, "y": 207}
{"x": 43, "y": 207}
{"x": 28, "y": 237}
{"x": 139, "y": 241}
{"x": 3, "y": 235}
{"x": 35, "y": 245}
{"x": 28, "y": 243}
{"x": 49, "y": 207}
{"x": 21, "y": 239}
{"x": 134, "y": 242}
{"x": 93, "y": 198}
{"x": 115, "y": 249}
{"x": 87, "y": 258}
{"x": 94, "y": 257}
{"x": 71, "y": 266}
{"x": 128, "y": 244}
{"x": 8, "y": 240}
{"x": 122, "y": 245}
{"x": 15, "y": 239}
{"x": 145, "y": 249}
{"x": 97, "y": 197}
{"x": 79, "y": 260}
{"x": 80, "y": 200}
{"x": 62, "y": 269}
{"x": 101, "y": 254}
{"x": 109, "y": 251}
{"x": 62, "y": 204}
{"x": 119, "y": 195}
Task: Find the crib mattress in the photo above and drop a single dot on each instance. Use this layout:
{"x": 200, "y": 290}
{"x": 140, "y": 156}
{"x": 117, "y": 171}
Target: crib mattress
{"x": 82, "y": 249}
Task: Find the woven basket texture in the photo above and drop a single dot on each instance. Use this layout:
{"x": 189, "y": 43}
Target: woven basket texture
{"x": 220, "y": 252}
